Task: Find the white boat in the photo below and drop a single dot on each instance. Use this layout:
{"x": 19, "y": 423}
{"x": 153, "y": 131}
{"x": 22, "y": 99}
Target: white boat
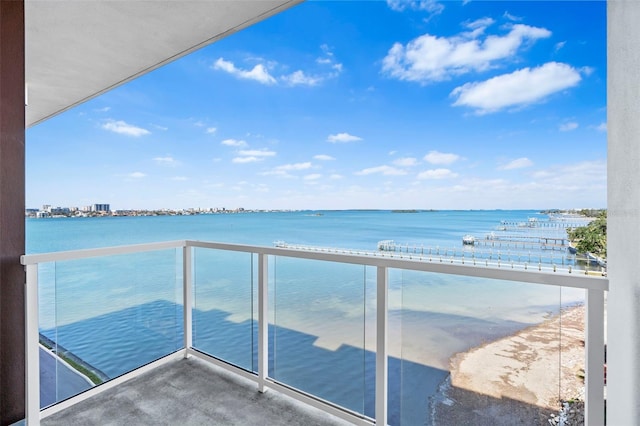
{"x": 387, "y": 245}
{"x": 469, "y": 240}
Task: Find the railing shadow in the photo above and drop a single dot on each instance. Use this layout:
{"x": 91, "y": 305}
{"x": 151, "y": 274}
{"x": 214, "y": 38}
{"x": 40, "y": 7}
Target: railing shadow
{"x": 458, "y": 406}
{"x": 121, "y": 341}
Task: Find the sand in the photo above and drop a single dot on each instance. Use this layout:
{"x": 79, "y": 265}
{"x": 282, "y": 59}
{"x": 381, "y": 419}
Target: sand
{"x": 519, "y": 379}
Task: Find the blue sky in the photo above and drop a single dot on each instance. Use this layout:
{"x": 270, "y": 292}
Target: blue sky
{"x": 355, "y": 104}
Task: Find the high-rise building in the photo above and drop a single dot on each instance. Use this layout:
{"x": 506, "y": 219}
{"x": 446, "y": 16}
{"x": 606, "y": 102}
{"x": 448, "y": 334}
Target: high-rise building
{"x": 101, "y": 208}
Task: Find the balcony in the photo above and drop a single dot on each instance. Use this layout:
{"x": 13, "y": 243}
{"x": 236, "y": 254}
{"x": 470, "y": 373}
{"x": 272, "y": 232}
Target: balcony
{"x": 190, "y": 391}
{"x": 360, "y": 337}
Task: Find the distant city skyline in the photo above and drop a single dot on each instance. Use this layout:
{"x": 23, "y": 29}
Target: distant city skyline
{"x": 351, "y": 105}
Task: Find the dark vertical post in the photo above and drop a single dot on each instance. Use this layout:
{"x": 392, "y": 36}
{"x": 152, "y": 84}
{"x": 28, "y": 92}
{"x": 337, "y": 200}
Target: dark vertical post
{"x": 12, "y": 204}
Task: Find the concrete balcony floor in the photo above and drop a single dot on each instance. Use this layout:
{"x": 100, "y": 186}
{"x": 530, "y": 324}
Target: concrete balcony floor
{"x": 190, "y": 392}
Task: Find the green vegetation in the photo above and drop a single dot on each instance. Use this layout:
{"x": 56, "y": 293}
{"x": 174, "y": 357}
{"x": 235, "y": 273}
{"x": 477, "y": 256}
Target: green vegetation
{"x": 95, "y": 379}
{"x": 90, "y": 374}
{"x": 593, "y": 237}
{"x": 593, "y": 212}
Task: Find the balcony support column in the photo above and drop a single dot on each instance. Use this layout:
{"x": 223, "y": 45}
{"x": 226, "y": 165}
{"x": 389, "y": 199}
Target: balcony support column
{"x": 32, "y": 347}
{"x": 263, "y": 321}
{"x": 12, "y": 204}
{"x": 623, "y": 201}
{"x": 594, "y": 358}
{"x": 382, "y": 360}
{"x": 187, "y": 297}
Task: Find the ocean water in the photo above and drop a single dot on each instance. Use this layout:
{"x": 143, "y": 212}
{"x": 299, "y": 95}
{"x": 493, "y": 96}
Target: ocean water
{"x": 120, "y": 312}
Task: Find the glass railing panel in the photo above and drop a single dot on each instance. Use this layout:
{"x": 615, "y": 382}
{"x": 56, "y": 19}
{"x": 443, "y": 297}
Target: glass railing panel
{"x": 319, "y": 342}
{"x": 468, "y": 350}
{"x": 225, "y": 308}
{"x": 103, "y": 317}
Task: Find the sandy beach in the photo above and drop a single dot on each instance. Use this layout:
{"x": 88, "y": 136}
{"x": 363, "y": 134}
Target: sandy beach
{"x": 518, "y": 379}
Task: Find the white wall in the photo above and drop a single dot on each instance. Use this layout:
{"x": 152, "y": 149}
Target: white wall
{"x": 623, "y": 122}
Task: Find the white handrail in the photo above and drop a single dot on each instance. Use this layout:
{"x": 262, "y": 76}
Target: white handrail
{"x": 32, "y": 259}
{"x": 422, "y": 264}
{"x": 440, "y": 265}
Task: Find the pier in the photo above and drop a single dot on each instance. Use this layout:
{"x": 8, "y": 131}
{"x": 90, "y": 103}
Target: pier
{"x": 524, "y": 242}
{"x": 541, "y": 224}
{"x": 510, "y": 252}
{"x": 468, "y": 255}
{"x": 531, "y": 244}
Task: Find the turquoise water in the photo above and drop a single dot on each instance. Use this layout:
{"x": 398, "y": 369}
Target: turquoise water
{"x": 351, "y": 229}
{"x": 120, "y": 312}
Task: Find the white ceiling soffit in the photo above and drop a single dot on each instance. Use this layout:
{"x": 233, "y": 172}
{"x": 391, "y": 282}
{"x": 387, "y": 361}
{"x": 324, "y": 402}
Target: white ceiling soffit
{"x": 76, "y": 50}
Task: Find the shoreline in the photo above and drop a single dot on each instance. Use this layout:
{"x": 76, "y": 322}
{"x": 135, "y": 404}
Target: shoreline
{"x": 519, "y": 379}
{"x": 94, "y": 375}
{"x": 58, "y": 379}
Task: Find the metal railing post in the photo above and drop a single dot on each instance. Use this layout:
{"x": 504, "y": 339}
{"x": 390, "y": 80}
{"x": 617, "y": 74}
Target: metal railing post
{"x": 382, "y": 370}
{"x": 32, "y": 343}
{"x": 187, "y": 297}
{"x": 263, "y": 321}
{"x": 594, "y": 358}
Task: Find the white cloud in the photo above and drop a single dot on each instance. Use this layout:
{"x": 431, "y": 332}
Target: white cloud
{"x": 518, "y": 163}
{"x": 136, "y": 175}
{"x": 385, "y": 170}
{"x": 211, "y": 130}
{"x": 587, "y": 70}
{"x": 234, "y": 142}
{"x": 252, "y": 156}
{"x": 258, "y": 73}
{"x": 568, "y": 126}
{"x": 124, "y": 128}
{"x": 602, "y": 127}
{"x": 432, "y": 6}
{"x": 266, "y": 72}
{"x": 343, "y": 138}
{"x": 405, "y": 162}
{"x": 477, "y": 27}
{"x": 243, "y": 160}
{"x": 323, "y": 157}
{"x": 329, "y": 60}
{"x": 283, "y": 170}
{"x": 326, "y": 49}
{"x": 294, "y": 166}
{"x": 278, "y": 173}
{"x": 437, "y": 174}
{"x": 511, "y": 17}
{"x": 166, "y": 161}
{"x": 103, "y": 109}
{"x": 435, "y": 157}
{"x": 574, "y": 176}
{"x": 559, "y": 45}
{"x": 430, "y": 58}
{"x": 335, "y": 176}
{"x": 257, "y": 153}
{"x": 520, "y": 88}
{"x": 313, "y": 176}
{"x": 180, "y": 178}
{"x": 159, "y": 127}
{"x": 299, "y": 78}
